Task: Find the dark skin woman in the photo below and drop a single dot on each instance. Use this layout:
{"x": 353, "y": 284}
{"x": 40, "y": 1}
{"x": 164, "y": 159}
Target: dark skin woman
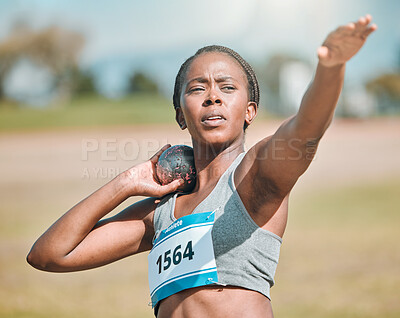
{"x": 214, "y": 106}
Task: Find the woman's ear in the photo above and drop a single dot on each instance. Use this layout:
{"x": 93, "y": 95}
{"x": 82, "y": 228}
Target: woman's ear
{"x": 180, "y": 119}
{"x": 251, "y": 112}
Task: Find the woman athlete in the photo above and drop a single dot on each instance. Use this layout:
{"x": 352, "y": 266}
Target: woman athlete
{"x": 245, "y": 193}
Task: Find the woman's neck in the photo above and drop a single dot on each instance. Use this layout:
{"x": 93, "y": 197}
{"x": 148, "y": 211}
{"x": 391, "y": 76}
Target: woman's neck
{"x": 211, "y": 162}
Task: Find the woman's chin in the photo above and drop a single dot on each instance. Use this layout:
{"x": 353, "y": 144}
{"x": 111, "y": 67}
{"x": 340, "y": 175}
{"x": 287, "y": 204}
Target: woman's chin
{"x": 216, "y": 140}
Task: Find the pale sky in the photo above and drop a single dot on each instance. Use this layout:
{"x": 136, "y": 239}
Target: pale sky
{"x": 255, "y": 28}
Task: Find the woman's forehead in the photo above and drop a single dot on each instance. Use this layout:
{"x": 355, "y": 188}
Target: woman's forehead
{"x": 215, "y": 63}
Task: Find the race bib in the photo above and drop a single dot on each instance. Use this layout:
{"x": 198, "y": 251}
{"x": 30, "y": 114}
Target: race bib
{"x": 182, "y": 257}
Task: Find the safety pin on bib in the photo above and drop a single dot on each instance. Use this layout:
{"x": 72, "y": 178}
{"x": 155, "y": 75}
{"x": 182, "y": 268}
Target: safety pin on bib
{"x": 212, "y": 213}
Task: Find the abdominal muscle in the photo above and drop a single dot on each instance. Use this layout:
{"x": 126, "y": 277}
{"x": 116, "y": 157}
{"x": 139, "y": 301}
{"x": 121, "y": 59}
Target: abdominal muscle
{"x": 216, "y": 301}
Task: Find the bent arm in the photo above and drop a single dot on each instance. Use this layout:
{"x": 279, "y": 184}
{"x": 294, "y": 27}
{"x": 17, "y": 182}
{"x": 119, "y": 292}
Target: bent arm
{"x": 74, "y": 242}
{"x": 78, "y": 240}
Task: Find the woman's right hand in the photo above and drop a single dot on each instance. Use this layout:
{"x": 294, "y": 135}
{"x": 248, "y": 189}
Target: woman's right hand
{"x": 143, "y": 178}
{"x": 78, "y": 241}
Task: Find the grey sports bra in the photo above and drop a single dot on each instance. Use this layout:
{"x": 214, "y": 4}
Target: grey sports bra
{"x": 245, "y": 254}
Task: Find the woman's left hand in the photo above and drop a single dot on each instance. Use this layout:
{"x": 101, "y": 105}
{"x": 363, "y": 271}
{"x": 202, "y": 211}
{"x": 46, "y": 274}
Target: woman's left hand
{"x": 343, "y": 43}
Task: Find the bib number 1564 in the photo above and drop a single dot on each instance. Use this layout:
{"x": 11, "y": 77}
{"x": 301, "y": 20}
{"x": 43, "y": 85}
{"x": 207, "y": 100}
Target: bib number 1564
{"x": 176, "y": 257}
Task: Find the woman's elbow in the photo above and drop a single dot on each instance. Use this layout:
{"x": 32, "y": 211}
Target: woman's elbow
{"x": 33, "y": 258}
{"x": 40, "y": 260}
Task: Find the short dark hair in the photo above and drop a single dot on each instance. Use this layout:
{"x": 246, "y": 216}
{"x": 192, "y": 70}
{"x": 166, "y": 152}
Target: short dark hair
{"x": 253, "y": 88}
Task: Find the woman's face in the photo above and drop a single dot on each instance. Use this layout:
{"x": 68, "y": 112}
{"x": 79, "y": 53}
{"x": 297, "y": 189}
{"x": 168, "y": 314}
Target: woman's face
{"x": 214, "y": 100}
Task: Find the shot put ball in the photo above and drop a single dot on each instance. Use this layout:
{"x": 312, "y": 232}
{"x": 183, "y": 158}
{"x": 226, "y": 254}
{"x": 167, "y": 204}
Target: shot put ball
{"x": 177, "y": 162}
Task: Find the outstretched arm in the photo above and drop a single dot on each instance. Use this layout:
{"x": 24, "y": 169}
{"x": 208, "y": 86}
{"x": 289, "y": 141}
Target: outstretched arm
{"x": 79, "y": 241}
{"x": 290, "y": 150}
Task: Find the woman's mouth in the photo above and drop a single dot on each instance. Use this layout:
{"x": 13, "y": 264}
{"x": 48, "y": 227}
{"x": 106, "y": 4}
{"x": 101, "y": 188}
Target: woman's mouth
{"x": 213, "y": 120}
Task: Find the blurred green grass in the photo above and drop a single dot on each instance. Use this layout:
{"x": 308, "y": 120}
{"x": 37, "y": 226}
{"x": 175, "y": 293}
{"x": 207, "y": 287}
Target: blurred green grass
{"x": 340, "y": 256}
{"x": 339, "y": 259}
{"x": 89, "y": 111}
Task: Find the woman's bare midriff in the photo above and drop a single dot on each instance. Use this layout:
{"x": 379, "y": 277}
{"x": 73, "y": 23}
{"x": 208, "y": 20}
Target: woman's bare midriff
{"x": 216, "y": 301}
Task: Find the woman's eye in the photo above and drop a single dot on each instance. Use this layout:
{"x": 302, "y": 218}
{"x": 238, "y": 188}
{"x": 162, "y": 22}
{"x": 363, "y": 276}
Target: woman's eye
{"x": 229, "y": 88}
{"x": 196, "y": 89}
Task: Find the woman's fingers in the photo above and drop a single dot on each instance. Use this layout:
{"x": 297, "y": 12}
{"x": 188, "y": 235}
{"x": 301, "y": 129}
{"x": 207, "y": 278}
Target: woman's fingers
{"x": 371, "y": 29}
{"x": 360, "y": 24}
{"x": 363, "y": 27}
{"x": 173, "y": 186}
{"x": 161, "y": 190}
{"x": 359, "y": 29}
{"x": 368, "y": 17}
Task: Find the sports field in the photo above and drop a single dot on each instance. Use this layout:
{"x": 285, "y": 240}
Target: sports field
{"x": 340, "y": 256}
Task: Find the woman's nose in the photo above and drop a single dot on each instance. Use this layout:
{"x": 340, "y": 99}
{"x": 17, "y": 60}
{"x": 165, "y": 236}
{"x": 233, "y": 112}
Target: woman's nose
{"x": 211, "y": 99}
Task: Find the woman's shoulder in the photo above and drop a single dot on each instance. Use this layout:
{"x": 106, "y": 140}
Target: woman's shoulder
{"x": 267, "y": 207}
{"x": 254, "y": 188}
{"x": 248, "y": 165}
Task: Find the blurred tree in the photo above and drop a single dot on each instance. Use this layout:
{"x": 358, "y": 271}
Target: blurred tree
{"x": 386, "y": 84}
{"x": 53, "y": 47}
{"x": 141, "y": 83}
{"x": 386, "y": 88}
{"x": 82, "y": 82}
